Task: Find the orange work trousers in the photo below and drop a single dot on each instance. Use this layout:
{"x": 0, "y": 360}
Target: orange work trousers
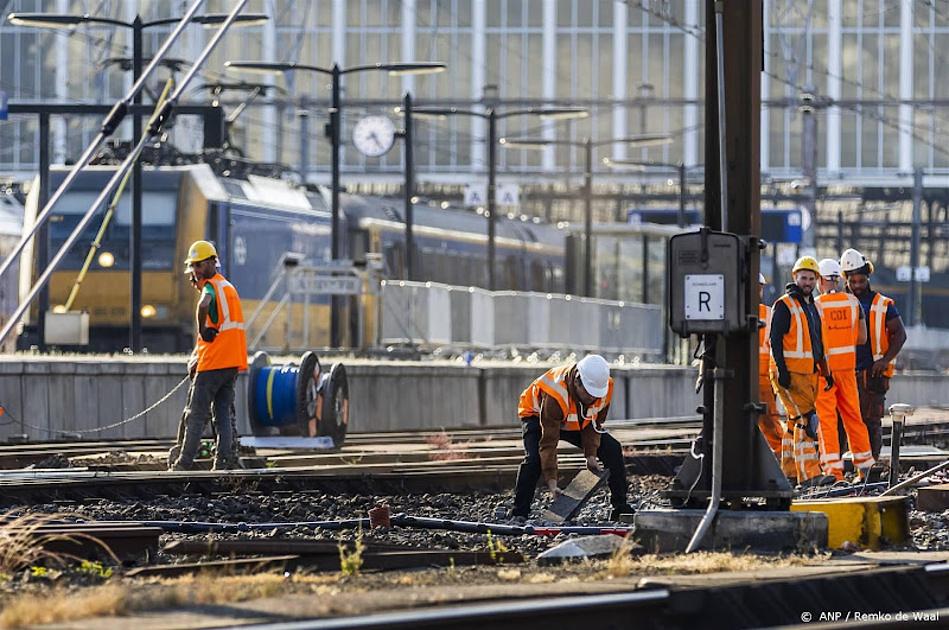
{"x": 799, "y": 453}
{"x": 843, "y": 397}
{"x": 769, "y": 422}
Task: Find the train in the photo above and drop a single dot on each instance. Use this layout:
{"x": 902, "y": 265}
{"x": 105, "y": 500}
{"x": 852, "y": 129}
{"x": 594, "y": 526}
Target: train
{"x": 254, "y": 221}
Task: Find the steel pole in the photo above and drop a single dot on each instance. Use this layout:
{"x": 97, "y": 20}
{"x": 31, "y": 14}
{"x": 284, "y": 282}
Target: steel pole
{"x": 334, "y": 231}
{"x": 914, "y": 315}
{"x": 304, "y": 116}
{"x": 135, "y": 236}
{"x": 492, "y": 189}
{"x": 588, "y": 220}
{"x": 409, "y": 188}
{"x": 682, "y": 184}
{"x": 42, "y": 244}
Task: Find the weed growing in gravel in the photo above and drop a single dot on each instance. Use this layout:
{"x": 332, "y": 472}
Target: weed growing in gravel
{"x": 445, "y": 448}
{"x": 496, "y": 548}
{"x": 351, "y": 562}
{"x": 23, "y": 545}
{"x": 621, "y": 563}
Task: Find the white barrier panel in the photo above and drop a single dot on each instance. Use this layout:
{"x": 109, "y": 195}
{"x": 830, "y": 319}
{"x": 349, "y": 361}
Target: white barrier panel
{"x": 436, "y": 314}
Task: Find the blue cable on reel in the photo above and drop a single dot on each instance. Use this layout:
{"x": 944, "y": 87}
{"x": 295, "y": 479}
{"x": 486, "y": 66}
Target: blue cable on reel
{"x": 299, "y": 399}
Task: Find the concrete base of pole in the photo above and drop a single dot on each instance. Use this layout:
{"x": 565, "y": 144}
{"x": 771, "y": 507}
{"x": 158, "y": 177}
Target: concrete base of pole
{"x": 670, "y": 530}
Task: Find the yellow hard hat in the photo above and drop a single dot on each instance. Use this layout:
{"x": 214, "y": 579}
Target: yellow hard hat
{"x": 808, "y": 263}
{"x": 200, "y": 250}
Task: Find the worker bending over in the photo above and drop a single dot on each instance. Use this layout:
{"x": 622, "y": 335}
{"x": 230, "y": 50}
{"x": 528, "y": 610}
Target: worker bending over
{"x": 843, "y": 328}
{"x": 220, "y": 353}
{"x": 885, "y": 338}
{"x": 797, "y": 359}
{"x": 568, "y": 403}
{"x": 769, "y": 422}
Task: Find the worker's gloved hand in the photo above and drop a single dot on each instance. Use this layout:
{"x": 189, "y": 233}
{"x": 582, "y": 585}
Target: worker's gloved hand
{"x": 594, "y": 466}
{"x": 784, "y": 378}
{"x": 793, "y": 290}
{"x": 208, "y": 334}
{"x": 811, "y": 424}
{"x": 829, "y": 379}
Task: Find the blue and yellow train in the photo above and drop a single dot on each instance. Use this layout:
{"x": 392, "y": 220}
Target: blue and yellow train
{"x": 253, "y": 222}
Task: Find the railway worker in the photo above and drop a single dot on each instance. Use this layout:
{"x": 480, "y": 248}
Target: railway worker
{"x": 843, "y": 328}
{"x": 769, "y": 422}
{"x": 220, "y": 353}
{"x": 569, "y": 403}
{"x": 797, "y": 361}
{"x": 885, "y": 338}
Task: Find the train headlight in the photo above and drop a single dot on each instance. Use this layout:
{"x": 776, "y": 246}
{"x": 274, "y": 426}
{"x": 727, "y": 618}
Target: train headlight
{"x": 59, "y": 308}
{"x": 106, "y": 259}
{"x": 149, "y": 311}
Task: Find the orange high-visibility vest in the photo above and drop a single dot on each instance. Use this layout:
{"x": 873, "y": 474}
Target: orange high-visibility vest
{"x": 554, "y": 384}
{"x": 764, "y": 346}
{"x": 879, "y": 339}
{"x": 798, "y": 353}
{"x": 840, "y": 318}
{"x": 229, "y": 348}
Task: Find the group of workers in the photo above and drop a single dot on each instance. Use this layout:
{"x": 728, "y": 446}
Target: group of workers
{"x": 828, "y": 357}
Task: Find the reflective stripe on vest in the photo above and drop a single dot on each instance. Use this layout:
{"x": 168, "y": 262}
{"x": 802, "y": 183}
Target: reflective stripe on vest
{"x": 224, "y": 310}
{"x": 798, "y": 355}
{"x": 840, "y": 317}
{"x": 879, "y": 340}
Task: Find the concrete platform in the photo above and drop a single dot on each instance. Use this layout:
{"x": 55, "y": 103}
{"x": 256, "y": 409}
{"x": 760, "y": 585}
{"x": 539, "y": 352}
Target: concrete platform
{"x": 870, "y": 522}
{"x": 670, "y": 530}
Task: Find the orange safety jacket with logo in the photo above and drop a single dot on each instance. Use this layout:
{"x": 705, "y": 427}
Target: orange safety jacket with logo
{"x": 229, "y": 347}
{"x": 840, "y": 321}
{"x": 879, "y": 339}
{"x": 764, "y": 346}
{"x": 796, "y": 343}
{"x": 553, "y": 383}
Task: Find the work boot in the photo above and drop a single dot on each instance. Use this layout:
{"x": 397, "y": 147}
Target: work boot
{"x": 819, "y": 480}
{"x": 619, "y": 512}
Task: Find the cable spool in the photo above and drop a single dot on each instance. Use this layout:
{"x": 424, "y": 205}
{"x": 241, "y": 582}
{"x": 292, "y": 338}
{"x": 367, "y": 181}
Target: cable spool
{"x": 299, "y": 399}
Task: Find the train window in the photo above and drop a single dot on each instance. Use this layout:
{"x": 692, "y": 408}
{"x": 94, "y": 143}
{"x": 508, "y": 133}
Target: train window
{"x": 358, "y": 245}
{"x": 158, "y": 229}
{"x": 394, "y": 260}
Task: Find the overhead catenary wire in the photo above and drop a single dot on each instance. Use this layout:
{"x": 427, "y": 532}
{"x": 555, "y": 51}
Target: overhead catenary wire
{"x": 153, "y": 128}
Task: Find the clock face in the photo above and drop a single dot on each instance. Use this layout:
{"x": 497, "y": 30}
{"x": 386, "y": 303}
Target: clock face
{"x": 374, "y": 135}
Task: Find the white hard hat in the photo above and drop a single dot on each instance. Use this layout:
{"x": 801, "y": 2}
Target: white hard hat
{"x": 852, "y": 260}
{"x": 594, "y": 375}
{"x": 829, "y": 267}
{"x": 761, "y": 279}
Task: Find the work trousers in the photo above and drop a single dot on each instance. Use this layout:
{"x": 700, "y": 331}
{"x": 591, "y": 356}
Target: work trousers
{"x": 528, "y": 474}
{"x": 210, "y": 388}
{"x": 798, "y": 450}
{"x": 769, "y": 422}
{"x": 844, "y": 398}
{"x": 872, "y": 392}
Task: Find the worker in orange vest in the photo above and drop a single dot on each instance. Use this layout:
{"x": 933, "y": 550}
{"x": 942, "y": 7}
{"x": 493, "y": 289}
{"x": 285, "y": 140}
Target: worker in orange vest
{"x": 568, "y": 403}
{"x": 843, "y": 328}
{"x": 797, "y": 360}
{"x": 220, "y": 353}
{"x": 885, "y": 338}
{"x": 769, "y": 422}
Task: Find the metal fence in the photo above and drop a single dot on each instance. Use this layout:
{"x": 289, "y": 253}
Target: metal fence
{"x": 432, "y": 314}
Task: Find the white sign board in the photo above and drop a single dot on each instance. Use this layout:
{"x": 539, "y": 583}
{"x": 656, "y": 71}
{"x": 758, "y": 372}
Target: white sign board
{"x": 705, "y": 296}
{"x": 904, "y": 274}
{"x": 507, "y": 195}
{"x": 476, "y": 195}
